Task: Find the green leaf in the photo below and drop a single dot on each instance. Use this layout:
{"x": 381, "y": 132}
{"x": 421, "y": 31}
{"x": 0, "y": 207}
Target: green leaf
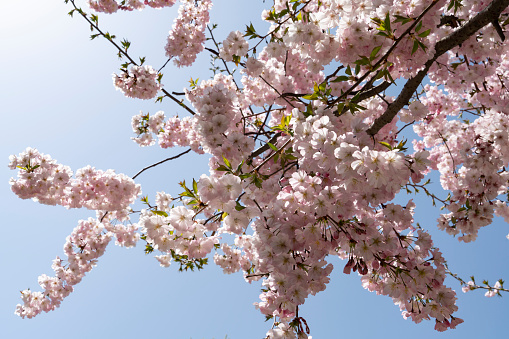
{"x": 223, "y": 168}
{"x": 468, "y": 204}
{"x": 340, "y": 107}
{"x": 380, "y": 74}
{"x": 402, "y": 19}
{"x": 425, "y": 33}
{"x": 309, "y": 110}
{"x": 195, "y": 186}
{"x": 387, "y": 23}
{"x": 341, "y": 78}
{"x": 186, "y": 194}
{"x": 193, "y": 83}
{"x": 418, "y": 27}
{"x": 274, "y": 148}
{"x": 383, "y": 143}
{"x": 313, "y": 96}
{"x": 162, "y": 213}
{"x": 322, "y": 87}
{"x": 236, "y": 59}
{"x": 257, "y": 181}
{"x": 362, "y": 61}
{"x": 244, "y": 176}
{"x": 149, "y": 249}
{"x": 422, "y": 46}
{"x": 415, "y": 47}
{"x": 374, "y": 52}
{"x": 239, "y": 167}
{"x": 226, "y": 162}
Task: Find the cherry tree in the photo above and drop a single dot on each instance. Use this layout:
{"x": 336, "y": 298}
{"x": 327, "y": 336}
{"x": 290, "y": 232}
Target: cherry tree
{"x": 307, "y": 151}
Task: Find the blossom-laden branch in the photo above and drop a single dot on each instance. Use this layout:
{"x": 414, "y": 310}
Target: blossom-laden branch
{"x": 298, "y": 179}
{"x": 492, "y": 290}
{"x": 487, "y": 15}
{"x": 139, "y": 81}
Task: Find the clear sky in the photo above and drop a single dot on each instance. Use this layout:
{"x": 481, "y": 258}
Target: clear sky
{"x": 57, "y": 96}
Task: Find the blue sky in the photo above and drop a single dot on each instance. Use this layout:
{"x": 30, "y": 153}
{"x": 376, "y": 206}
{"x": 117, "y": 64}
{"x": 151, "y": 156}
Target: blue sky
{"x": 57, "y": 96}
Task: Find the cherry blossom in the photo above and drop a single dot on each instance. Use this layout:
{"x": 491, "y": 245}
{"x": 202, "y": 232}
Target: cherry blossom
{"x": 306, "y": 153}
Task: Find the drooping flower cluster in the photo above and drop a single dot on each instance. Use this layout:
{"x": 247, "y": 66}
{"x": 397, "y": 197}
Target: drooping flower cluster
{"x": 83, "y": 247}
{"x": 471, "y": 160}
{"x": 44, "y": 180}
{"x": 139, "y": 82}
{"x": 187, "y": 35}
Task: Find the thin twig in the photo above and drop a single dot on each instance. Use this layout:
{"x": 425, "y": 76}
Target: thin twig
{"x": 125, "y": 54}
{"x": 160, "y": 162}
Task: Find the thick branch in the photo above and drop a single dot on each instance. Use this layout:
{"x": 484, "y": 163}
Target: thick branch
{"x": 484, "y": 17}
{"x": 385, "y": 57}
{"x": 264, "y": 147}
{"x": 367, "y": 94}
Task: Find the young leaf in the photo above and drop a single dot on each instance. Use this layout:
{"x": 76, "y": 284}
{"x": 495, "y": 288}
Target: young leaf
{"x": 227, "y": 163}
{"x": 425, "y": 33}
{"x": 274, "y": 148}
{"x": 415, "y": 47}
{"x": 374, "y": 52}
{"x": 195, "y": 186}
{"x": 418, "y": 27}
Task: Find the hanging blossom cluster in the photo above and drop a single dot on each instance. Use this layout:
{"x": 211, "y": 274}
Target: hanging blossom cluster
{"x": 187, "y": 35}
{"x": 83, "y": 247}
{"x": 471, "y": 159}
{"x": 305, "y": 163}
{"x": 139, "y": 82}
{"x": 42, "y": 179}
{"x": 111, "y": 6}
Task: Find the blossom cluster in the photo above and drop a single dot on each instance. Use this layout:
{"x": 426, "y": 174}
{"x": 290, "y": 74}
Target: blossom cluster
{"x": 177, "y": 233}
{"x": 171, "y": 132}
{"x": 83, "y": 247}
{"x": 111, "y": 6}
{"x": 235, "y": 44}
{"x": 471, "y": 160}
{"x": 145, "y": 125}
{"x": 219, "y": 121}
{"x": 139, "y": 82}
{"x": 41, "y": 178}
{"x": 187, "y": 35}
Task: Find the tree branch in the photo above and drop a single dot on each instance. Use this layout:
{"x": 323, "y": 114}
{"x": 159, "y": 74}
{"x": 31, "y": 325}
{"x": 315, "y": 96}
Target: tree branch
{"x": 484, "y": 17}
{"x": 160, "y": 162}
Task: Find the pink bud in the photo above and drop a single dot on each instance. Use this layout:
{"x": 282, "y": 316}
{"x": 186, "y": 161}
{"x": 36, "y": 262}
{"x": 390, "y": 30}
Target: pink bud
{"x": 348, "y": 266}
